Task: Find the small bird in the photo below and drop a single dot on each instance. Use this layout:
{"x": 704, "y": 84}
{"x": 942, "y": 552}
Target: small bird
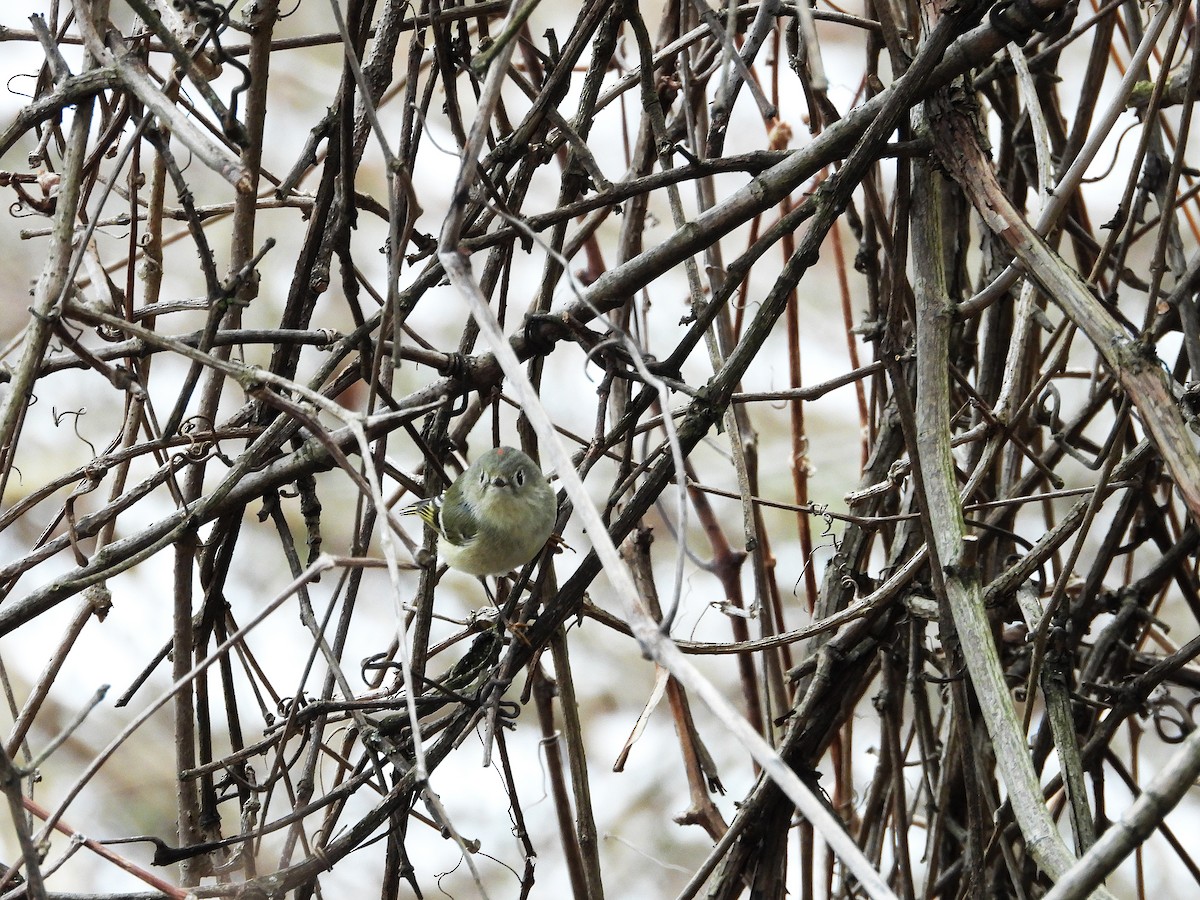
{"x": 496, "y": 515}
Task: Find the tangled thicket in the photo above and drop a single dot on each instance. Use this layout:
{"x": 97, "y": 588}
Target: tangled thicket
{"x": 982, "y": 632}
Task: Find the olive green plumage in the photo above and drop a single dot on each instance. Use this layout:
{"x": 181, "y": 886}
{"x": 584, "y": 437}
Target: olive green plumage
{"x": 496, "y": 515}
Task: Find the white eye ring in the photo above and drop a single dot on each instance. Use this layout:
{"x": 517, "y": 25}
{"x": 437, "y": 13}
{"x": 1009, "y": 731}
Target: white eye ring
{"x": 520, "y": 479}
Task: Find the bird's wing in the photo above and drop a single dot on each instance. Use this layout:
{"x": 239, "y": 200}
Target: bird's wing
{"x": 458, "y": 522}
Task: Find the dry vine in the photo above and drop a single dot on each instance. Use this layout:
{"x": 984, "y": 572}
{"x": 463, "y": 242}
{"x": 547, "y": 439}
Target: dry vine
{"x": 962, "y": 667}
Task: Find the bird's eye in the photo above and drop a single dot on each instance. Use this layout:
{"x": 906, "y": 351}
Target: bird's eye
{"x": 520, "y": 479}
{"x": 483, "y": 479}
